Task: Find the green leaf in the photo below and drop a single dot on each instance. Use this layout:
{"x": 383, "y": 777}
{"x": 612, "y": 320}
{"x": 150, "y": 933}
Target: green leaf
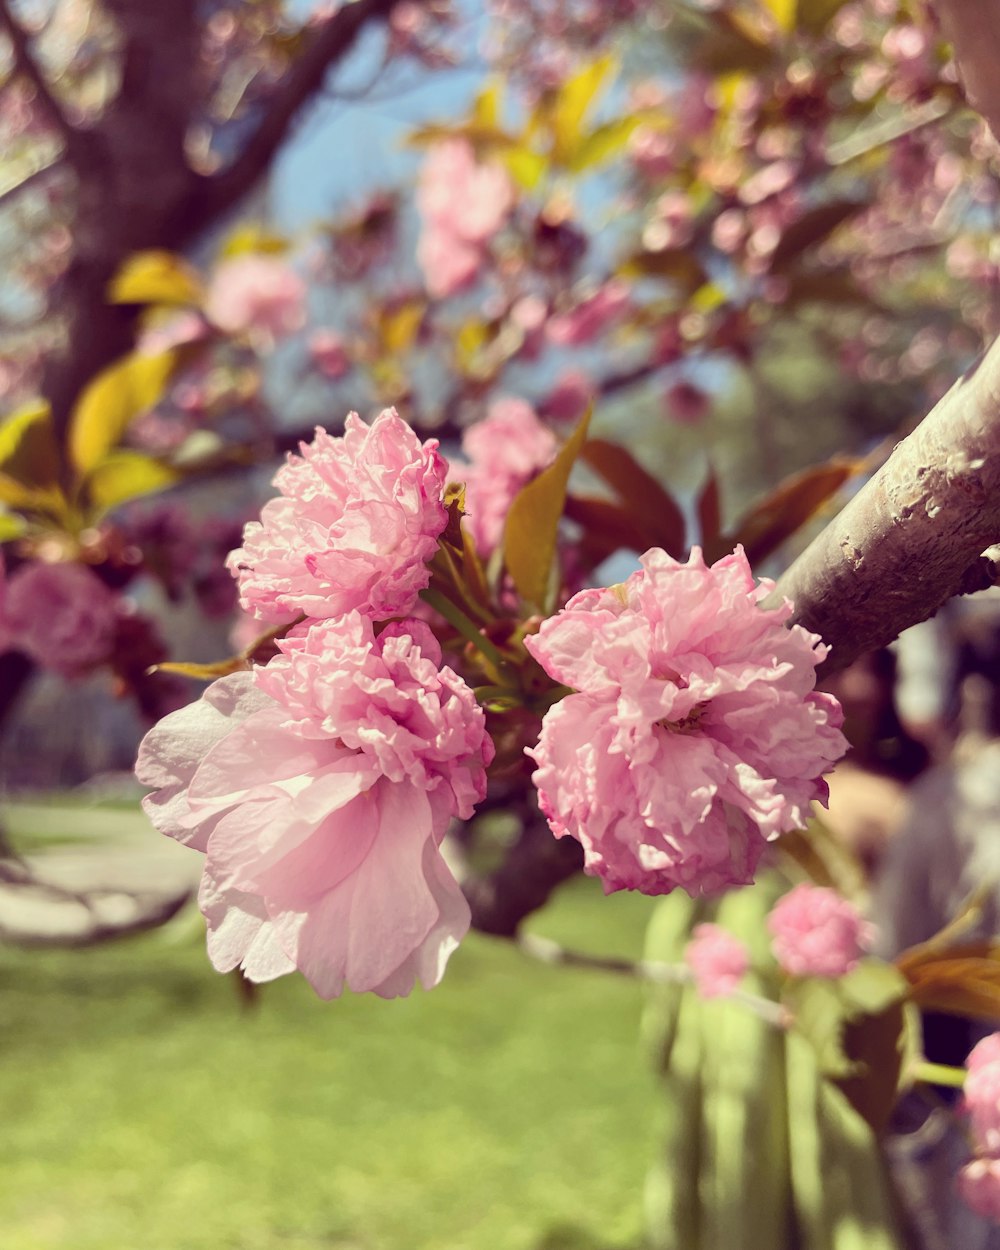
{"x": 156, "y": 277}
{"x": 533, "y": 521}
{"x": 29, "y": 455}
{"x": 811, "y": 229}
{"x": 112, "y": 401}
{"x": 124, "y": 475}
{"x": 648, "y": 504}
{"x": 820, "y": 1015}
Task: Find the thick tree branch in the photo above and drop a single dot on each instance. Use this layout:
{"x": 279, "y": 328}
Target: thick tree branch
{"x": 329, "y": 44}
{"x": 26, "y": 65}
{"x": 915, "y": 534}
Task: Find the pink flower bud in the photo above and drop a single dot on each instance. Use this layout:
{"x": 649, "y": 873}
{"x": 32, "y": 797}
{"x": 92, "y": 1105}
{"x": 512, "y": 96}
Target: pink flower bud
{"x": 718, "y": 960}
{"x": 817, "y": 932}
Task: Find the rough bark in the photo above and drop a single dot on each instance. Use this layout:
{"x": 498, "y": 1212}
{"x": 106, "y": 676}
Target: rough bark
{"x": 915, "y": 534}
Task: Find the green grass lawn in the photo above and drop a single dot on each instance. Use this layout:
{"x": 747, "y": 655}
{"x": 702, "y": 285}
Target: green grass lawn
{"x": 143, "y": 1108}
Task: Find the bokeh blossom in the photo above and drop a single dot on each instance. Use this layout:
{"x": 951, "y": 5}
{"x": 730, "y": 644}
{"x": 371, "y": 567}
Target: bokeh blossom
{"x": 259, "y": 294}
{"x": 718, "y": 960}
{"x": 979, "y": 1187}
{"x": 464, "y": 203}
{"x": 319, "y": 788}
{"x": 357, "y": 518}
{"x": 817, "y": 932}
{"x": 695, "y": 736}
{"x": 505, "y": 451}
{"x": 61, "y": 615}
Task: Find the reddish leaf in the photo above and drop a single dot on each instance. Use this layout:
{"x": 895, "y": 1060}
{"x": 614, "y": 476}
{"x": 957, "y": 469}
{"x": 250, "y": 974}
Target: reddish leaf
{"x": 607, "y": 528}
{"x": 709, "y": 519}
{"x": 650, "y": 506}
{"x": 963, "y": 981}
{"x": 793, "y": 502}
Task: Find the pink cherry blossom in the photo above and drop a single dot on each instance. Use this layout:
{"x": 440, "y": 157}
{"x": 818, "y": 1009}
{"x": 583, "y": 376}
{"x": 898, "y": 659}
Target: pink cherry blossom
{"x": 356, "y": 521}
{"x": 61, "y": 615}
{"x": 463, "y": 203}
{"x": 687, "y": 404}
{"x": 447, "y": 262}
{"x": 979, "y": 1187}
{"x": 985, "y": 1051}
{"x": 718, "y": 961}
{"x": 256, "y": 293}
{"x": 982, "y": 1105}
{"x": 328, "y": 353}
{"x": 319, "y": 788}
{"x": 590, "y": 316}
{"x": 569, "y": 399}
{"x": 817, "y": 932}
{"x": 505, "y": 451}
{"x": 462, "y": 196}
{"x": 696, "y": 735}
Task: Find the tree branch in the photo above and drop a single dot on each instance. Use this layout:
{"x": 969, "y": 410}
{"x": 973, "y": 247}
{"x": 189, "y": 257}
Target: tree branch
{"x": 915, "y": 534}
{"x": 333, "y": 40}
{"x": 26, "y": 65}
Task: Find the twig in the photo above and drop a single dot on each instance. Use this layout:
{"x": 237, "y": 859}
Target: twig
{"x": 653, "y": 971}
{"x": 331, "y": 42}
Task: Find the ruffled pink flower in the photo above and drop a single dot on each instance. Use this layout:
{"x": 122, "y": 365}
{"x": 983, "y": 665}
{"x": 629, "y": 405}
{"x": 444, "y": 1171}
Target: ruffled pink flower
{"x": 590, "y": 317}
{"x": 505, "y": 451}
{"x": 319, "y": 789}
{"x": 61, "y": 615}
{"x": 357, "y": 519}
{"x": 817, "y": 932}
{"x": 985, "y": 1051}
{"x": 979, "y": 1187}
{"x": 982, "y": 1105}
{"x": 256, "y": 293}
{"x": 718, "y": 961}
{"x": 696, "y": 735}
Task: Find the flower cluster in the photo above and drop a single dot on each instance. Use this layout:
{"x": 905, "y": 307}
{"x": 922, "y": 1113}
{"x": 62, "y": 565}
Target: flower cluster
{"x": 979, "y": 1181}
{"x": 60, "y": 615}
{"x": 320, "y": 785}
{"x": 695, "y": 735}
{"x": 817, "y": 932}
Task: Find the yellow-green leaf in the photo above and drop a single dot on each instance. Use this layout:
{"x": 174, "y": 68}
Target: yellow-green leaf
{"x": 124, "y": 475}
{"x": 252, "y": 238}
{"x": 29, "y": 455}
{"x": 112, "y": 401}
{"x": 11, "y": 526}
{"x": 533, "y": 521}
{"x": 398, "y": 326}
{"x": 155, "y": 277}
{"x": 602, "y": 144}
{"x": 574, "y": 101}
{"x": 783, "y": 12}
{"x": 525, "y": 166}
{"x": 203, "y": 672}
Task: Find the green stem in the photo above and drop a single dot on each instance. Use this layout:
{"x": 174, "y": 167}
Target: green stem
{"x": 468, "y": 629}
{"x": 938, "y": 1074}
